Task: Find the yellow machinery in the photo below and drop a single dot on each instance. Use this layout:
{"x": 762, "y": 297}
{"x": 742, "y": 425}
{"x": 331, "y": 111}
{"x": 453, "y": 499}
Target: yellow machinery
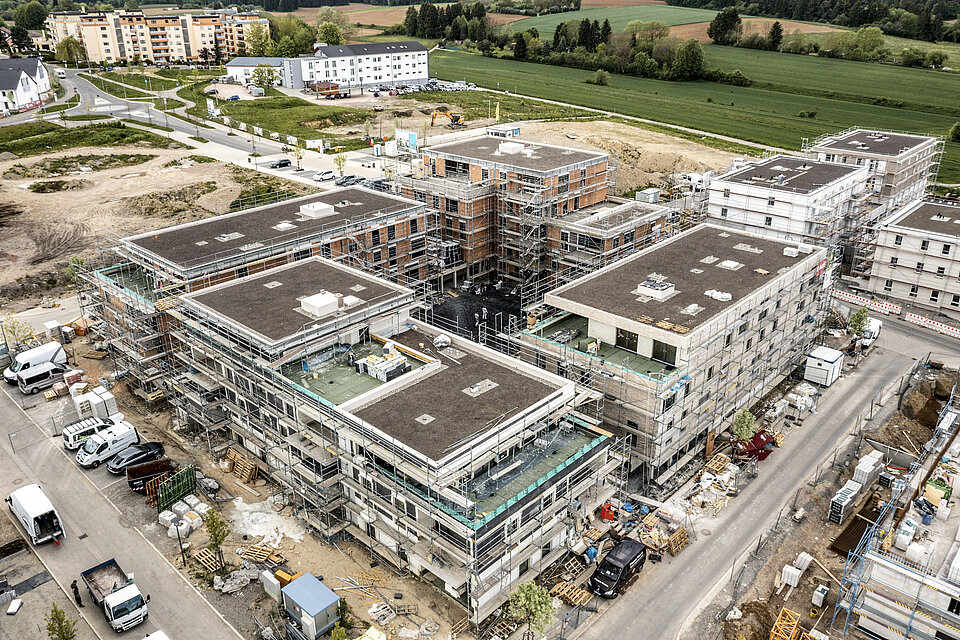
{"x": 456, "y": 119}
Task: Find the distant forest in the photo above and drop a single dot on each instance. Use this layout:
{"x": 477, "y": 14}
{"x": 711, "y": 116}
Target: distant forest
{"x": 903, "y": 18}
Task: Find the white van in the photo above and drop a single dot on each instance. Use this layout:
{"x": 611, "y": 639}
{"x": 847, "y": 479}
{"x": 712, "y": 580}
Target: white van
{"x": 99, "y": 448}
{"x": 871, "y": 332}
{"x": 76, "y": 432}
{"x": 33, "y": 509}
{"x": 49, "y": 352}
{"x": 41, "y": 376}
{"x": 61, "y": 73}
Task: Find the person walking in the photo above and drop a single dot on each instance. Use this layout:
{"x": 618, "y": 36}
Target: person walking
{"x": 484, "y": 310}
{"x": 76, "y": 593}
{"x": 477, "y": 317}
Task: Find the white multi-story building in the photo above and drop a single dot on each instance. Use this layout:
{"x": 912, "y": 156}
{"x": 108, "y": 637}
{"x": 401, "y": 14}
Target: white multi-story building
{"x": 359, "y": 65}
{"x": 241, "y": 69}
{"x": 793, "y": 199}
{"x": 682, "y": 335}
{"x": 918, "y": 257}
{"x": 24, "y": 84}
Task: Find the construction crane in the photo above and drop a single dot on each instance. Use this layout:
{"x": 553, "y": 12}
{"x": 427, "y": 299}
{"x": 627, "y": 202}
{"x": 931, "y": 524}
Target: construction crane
{"x": 456, "y": 119}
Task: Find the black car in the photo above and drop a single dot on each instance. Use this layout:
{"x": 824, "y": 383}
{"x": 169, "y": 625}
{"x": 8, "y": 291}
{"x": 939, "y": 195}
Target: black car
{"x": 346, "y": 180}
{"x": 379, "y": 184}
{"x": 623, "y": 562}
{"x": 277, "y": 164}
{"x": 135, "y": 454}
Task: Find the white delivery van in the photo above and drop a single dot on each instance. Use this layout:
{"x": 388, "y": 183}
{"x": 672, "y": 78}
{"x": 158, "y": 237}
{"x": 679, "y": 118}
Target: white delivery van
{"x": 49, "y": 352}
{"x": 76, "y": 432}
{"x": 872, "y": 332}
{"x": 62, "y": 74}
{"x": 99, "y": 448}
{"x": 33, "y": 509}
{"x": 42, "y": 376}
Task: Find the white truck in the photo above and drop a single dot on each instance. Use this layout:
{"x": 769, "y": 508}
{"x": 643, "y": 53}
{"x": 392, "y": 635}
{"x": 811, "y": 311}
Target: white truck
{"x": 116, "y": 594}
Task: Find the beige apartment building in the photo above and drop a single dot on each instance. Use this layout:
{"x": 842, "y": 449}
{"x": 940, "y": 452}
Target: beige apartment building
{"x": 117, "y": 36}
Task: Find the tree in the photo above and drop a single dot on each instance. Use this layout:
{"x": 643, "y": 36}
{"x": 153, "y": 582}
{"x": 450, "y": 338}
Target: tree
{"x": 519, "y": 47}
{"x": 258, "y": 37}
{"x": 532, "y": 605}
{"x": 264, "y": 76}
{"x": 601, "y": 78}
{"x": 936, "y": 58}
{"x": 59, "y": 626}
{"x": 912, "y": 57}
{"x": 217, "y": 50}
{"x": 428, "y": 21}
{"x": 954, "y": 135}
{"x": 217, "y": 531}
{"x": 775, "y": 36}
{"x": 286, "y": 48}
{"x": 858, "y": 322}
{"x": 633, "y": 27}
{"x": 583, "y": 34}
{"x": 205, "y": 55}
{"x": 21, "y": 38}
{"x": 30, "y": 16}
{"x": 410, "y": 21}
{"x": 131, "y": 5}
{"x": 69, "y": 50}
{"x": 653, "y": 31}
{"x": 338, "y": 632}
{"x": 605, "y": 31}
{"x": 744, "y": 425}
{"x": 688, "y": 61}
{"x": 340, "y": 161}
{"x": 330, "y": 33}
{"x": 726, "y": 27}
{"x": 76, "y": 262}
{"x": 16, "y": 332}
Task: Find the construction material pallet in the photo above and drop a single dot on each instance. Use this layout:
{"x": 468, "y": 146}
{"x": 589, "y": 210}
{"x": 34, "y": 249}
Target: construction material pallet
{"x": 653, "y": 540}
{"x": 650, "y": 521}
{"x": 574, "y": 566}
{"x": 677, "y": 541}
{"x": 407, "y": 609}
{"x": 593, "y": 534}
{"x": 371, "y": 577}
{"x": 717, "y": 464}
{"x": 242, "y": 468}
{"x": 262, "y": 553}
{"x": 94, "y": 355}
{"x": 571, "y": 594}
{"x": 209, "y": 560}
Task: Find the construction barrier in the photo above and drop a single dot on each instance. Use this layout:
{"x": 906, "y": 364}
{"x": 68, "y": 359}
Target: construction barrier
{"x": 876, "y": 305}
{"x": 939, "y": 327}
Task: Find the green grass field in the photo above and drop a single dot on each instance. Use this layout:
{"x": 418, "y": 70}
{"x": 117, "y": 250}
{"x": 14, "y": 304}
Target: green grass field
{"x": 116, "y": 89}
{"x": 141, "y": 80}
{"x": 32, "y": 142}
{"x": 751, "y": 114}
{"x": 191, "y": 73}
{"x": 618, "y": 16}
{"x": 924, "y": 87}
{"x": 896, "y": 45}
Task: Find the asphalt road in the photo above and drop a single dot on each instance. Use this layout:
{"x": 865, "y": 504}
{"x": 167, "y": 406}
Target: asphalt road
{"x": 97, "y": 530}
{"x": 669, "y": 593}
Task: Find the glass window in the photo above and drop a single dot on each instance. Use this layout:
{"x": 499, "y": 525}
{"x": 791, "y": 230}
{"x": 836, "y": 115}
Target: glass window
{"x": 898, "y": 240}
{"x": 663, "y": 352}
{"x": 888, "y": 285}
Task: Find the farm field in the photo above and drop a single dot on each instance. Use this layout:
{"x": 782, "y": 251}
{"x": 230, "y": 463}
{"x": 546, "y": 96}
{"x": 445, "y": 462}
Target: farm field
{"x": 358, "y": 12}
{"x": 698, "y": 30}
{"x": 752, "y": 114}
{"x": 619, "y": 16}
{"x": 866, "y": 79}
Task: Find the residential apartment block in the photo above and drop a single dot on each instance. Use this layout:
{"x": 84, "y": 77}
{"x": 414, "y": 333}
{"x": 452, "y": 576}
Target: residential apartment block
{"x": 917, "y": 258}
{"x": 144, "y": 275}
{"x": 532, "y": 215}
{"x": 116, "y": 36}
{"x": 793, "y": 199}
{"x": 359, "y": 65}
{"x": 682, "y": 335}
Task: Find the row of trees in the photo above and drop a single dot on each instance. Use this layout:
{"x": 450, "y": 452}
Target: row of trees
{"x": 454, "y": 22}
{"x": 865, "y": 45}
{"x": 289, "y": 36}
{"x": 533, "y": 7}
{"x": 643, "y": 49}
{"x": 918, "y": 19}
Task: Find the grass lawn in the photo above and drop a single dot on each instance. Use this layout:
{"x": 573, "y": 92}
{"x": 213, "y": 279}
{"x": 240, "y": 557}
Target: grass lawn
{"x": 191, "y": 73}
{"x": 618, "y": 16}
{"x": 71, "y": 102}
{"x": 114, "y": 88}
{"x": 923, "y": 89}
{"x": 95, "y": 135}
{"x": 149, "y": 124}
{"x": 88, "y": 116}
{"x": 755, "y": 115}
{"x": 17, "y": 131}
{"x": 479, "y": 104}
{"x": 140, "y": 80}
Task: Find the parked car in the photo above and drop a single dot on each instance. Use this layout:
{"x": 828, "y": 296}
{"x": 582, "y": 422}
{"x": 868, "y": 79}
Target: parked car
{"x": 233, "y": 98}
{"x": 323, "y": 176}
{"x": 380, "y": 184}
{"x": 277, "y": 164}
{"x": 623, "y": 562}
{"x": 211, "y": 91}
{"x": 353, "y": 180}
{"x": 135, "y": 454}
{"x": 343, "y": 180}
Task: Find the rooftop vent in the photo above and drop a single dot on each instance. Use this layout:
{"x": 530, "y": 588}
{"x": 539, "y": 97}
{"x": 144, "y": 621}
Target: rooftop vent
{"x": 692, "y": 310}
{"x": 940, "y": 218}
{"x": 273, "y": 284}
{"x": 201, "y": 243}
{"x": 696, "y": 271}
{"x": 425, "y": 418}
{"x": 314, "y": 210}
{"x": 480, "y": 388}
{"x": 357, "y": 288}
{"x": 227, "y": 237}
{"x": 731, "y": 265}
{"x": 510, "y": 148}
{"x": 320, "y": 304}
{"x": 791, "y": 252}
{"x": 805, "y": 248}
{"x": 252, "y": 246}
{"x": 709, "y": 260}
{"x": 656, "y": 289}
{"x": 285, "y": 226}
{"x": 743, "y": 246}
{"x": 722, "y": 296}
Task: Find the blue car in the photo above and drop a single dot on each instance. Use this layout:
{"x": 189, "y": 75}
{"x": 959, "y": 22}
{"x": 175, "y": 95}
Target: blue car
{"x": 233, "y": 97}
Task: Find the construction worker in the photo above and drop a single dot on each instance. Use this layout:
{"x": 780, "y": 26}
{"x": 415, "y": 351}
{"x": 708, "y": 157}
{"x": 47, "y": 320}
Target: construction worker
{"x": 484, "y": 314}
{"x": 76, "y": 593}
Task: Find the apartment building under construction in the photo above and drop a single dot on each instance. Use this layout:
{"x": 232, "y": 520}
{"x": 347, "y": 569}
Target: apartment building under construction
{"x": 532, "y": 215}
{"x": 681, "y": 336}
{"x": 139, "y": 278}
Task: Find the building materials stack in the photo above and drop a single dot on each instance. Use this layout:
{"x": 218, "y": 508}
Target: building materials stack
{"x": 868, "y": 469}
{"x": 844, "y": 502}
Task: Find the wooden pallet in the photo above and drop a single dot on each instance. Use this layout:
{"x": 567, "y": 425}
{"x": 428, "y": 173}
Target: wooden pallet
{"x": 571, "y": 593}
{"x": 717, "y": 464}
{"x": 245, "y": 470}
{"x": 677, "y": 541}
{"x": 653, "y": 540}
{"x": 574, "y": 567}
{"x": 778, "y": 438}
{"x": 650, "y": 521}
{"x": 593, "y": 534}
{"x": 460, "y": 626}
{"x": 209, "y": 560}
{"x": 257, "y": 553}
{"x": 50, "y": 395}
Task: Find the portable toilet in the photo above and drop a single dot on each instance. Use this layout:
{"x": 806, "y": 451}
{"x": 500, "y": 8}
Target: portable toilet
{"x": 311, "y": 605}
{"x": 823, "y": 366}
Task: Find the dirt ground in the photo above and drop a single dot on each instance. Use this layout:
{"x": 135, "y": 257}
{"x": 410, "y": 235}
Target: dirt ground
{"x": 43, "y": 230}
{"x": 645, "y": 157}
{"x": 698, "y": 30}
